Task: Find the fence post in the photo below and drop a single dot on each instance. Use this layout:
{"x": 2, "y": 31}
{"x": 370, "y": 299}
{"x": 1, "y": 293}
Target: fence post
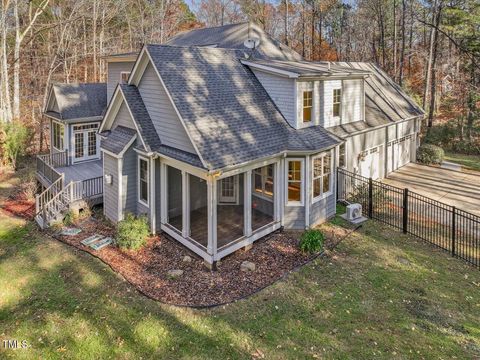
{"x": 405, "y": 210}
{"x": 370, "y": 198}
{"x": 454, "y": 229}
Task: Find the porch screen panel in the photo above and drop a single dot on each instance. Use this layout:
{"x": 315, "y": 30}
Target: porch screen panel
{"x": 263, "y": 180}
{"x": 198, "y": 210}
{"x": 174, "y": 198}
{"x": 230, "y": 209}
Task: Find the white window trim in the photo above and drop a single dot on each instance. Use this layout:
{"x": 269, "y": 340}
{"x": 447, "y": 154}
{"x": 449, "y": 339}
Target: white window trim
{"x": 339, "y": 116}
{"x": 323, "y": 195}
{"x": 312, "y": 119}
{"x": 86, "y": 157}
{"x": 53, "y": 135}
{"x": 302, "y": 189}
{"x": 138, "y": 181}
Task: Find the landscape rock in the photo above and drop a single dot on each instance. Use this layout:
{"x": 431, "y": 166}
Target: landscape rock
{"x": 175, "y": 273}
{"x": 247, "y": 266}
{"x": 187, "y": 259}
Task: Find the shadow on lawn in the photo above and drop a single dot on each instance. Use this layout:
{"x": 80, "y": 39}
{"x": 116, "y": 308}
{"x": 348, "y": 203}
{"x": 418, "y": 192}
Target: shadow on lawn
{"x": 77, "y": 305}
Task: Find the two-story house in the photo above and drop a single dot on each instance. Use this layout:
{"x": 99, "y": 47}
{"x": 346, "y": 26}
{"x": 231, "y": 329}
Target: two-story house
{"x": 220, "y": 145}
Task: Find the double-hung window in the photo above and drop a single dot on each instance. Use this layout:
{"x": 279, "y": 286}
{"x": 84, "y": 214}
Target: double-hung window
{"x": 57, "y": 134}
{"x": 263, "y": 181}
{"x": 307, "y": 106}
{"x": 337, "y": 99}
{"x": 322, "y": 175}
{"x": 143, "y": 181}
{"x": 295, "y": 181}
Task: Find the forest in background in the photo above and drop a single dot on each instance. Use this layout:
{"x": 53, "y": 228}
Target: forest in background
{"x": 431, "y": 48}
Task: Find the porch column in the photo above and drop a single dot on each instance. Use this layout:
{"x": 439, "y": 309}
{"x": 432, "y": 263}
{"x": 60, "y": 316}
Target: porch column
{"x": 277, "y": 192}
{"x": 185, "y": 205}
{"x": 153, "y": 203}
{"x": 163, "y": 193}
{"x": 247, "y": 203}
{"x": 308, "y": 192}
{"x": 212, "y": 215}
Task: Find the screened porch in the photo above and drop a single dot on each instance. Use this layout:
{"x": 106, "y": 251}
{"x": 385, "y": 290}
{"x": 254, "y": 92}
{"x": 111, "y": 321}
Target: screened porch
{"x": 216, "y": 215}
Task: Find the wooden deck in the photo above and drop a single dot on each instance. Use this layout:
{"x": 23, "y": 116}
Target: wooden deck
{"x": 230, "y": 220}
{"x": 82, "y": 171}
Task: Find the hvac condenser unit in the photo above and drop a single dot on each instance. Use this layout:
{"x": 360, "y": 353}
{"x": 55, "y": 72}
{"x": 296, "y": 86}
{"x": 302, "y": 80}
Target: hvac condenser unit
{"x": 354, "y": 214}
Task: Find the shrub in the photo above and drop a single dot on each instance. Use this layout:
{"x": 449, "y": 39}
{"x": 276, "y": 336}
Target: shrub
{"x": 132, "y": 232}
{"x": 29, "y": 188}
{"x": 430, "y": 154}
{"x": 311, "y": 241}
{"x": 70, "y": 218}
{"x": 14, "y": 140}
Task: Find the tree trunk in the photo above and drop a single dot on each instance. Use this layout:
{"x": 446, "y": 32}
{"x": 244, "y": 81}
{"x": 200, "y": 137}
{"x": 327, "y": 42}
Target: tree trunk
{"x": 430, "y": 58}
{"x": 433, "y": 87}
{"x": 402, "y": 52}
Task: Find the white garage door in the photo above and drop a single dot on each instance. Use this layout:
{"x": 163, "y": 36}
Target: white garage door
{"x": 369, "y": 163}
{"x": 399, "y": 152}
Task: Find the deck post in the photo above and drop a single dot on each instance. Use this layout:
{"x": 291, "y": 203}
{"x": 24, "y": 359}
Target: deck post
{"x": 247, "y": 203}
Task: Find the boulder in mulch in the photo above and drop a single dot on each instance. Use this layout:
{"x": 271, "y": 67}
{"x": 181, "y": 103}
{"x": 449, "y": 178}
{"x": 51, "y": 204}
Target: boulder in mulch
{"x": 173, "y": 274}
{"x": 187, "y": 259}
{"x": 247, "y": 266}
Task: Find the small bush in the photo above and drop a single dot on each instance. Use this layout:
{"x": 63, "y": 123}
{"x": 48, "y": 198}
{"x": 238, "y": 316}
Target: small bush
{"x": 311, "y": 241}
{"x": 29, "y": 188}
{"x": 132, "y": 232}
{"x": 70, "y": 218}
{"x": 13, "y": 141}
{"x": 430, "y": 154}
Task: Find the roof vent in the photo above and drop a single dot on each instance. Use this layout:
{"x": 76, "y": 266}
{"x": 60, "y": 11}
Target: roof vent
{"x": 251, "y": 43}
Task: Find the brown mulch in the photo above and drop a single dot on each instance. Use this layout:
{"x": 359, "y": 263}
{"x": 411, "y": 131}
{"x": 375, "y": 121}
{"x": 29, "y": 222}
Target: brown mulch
{"x": 18, "y": 205}
{"x": 146, "y": 269}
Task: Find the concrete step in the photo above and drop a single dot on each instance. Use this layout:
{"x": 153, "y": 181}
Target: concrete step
{"x": 91, "y": 239}
{"x": 102, "y": 243}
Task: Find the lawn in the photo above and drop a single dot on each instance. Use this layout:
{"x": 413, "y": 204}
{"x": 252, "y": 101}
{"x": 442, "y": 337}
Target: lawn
{"x": 379, "y": 294}
{"x": 469, "y": 162}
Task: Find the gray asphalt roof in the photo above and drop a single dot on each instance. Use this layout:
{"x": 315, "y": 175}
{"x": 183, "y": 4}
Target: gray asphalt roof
{"x": 228, "y": 114}
{"x": 385, "y": 102}
{"x": 77, "y": 101}
{"x": 308, "y": 69}
{"x": 232, "y": 36}
{"x": 117, "y": 139}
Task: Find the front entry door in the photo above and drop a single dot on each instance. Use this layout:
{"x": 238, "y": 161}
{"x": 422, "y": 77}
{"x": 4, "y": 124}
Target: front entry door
{"x": 84, "y": 143}
{"x": 228, "y": 190}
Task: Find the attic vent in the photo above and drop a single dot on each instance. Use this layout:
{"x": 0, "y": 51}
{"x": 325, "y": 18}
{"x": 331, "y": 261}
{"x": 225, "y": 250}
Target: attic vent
{"x": 251, "y": 43}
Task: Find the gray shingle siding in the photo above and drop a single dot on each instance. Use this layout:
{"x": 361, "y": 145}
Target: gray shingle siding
{"x": 110, "y": 191}
{"x": 322, "y": 210}
{"x": 123, "y": 118}
{"x": 163, "y": 115}
{"x": 281, "y": 91}
{"x": 294, "y": 217}
{"x": 114, "y": 71}
{"x": 129, "y": 186}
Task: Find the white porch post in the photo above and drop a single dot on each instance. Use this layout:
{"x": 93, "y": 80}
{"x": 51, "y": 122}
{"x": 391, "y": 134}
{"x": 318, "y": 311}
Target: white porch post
{"x": 247, "y": 203}
{"x": 277, "y": 191}
{"x": 308, "y": 192}
{"x": 163, "y": 193}
{"x": 153, "y": 202}
{"x": 283, "y": 190}
{"x": 185, "y": 205}
{"x": 212, "y": 215}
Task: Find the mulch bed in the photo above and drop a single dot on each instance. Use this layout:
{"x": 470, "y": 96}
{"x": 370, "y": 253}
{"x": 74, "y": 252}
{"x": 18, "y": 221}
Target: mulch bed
{"x": 147, "y": 269}
{"x": 18, "y": 205}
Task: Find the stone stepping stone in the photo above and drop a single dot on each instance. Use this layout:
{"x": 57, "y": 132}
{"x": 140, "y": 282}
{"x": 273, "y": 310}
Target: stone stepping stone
{"x": 91, "y": 239}
{"x": 70, "y": 232}
{"x": 102, "y": 243}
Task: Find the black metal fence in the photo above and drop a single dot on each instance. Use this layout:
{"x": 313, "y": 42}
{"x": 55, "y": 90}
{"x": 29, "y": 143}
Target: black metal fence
{"x": 442, "y": 225}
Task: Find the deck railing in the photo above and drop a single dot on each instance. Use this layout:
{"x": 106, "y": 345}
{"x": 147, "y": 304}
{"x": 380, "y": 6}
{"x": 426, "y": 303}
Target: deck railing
{"x": 47, "y": 163}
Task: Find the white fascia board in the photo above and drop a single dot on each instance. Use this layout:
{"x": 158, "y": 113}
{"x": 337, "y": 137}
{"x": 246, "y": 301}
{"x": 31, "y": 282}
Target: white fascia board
{"x": 270, "y": 69}
{"x": 112, "y": 110}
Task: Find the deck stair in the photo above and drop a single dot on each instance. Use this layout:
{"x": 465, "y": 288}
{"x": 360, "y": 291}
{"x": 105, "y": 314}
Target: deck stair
{"x": 97, "y": 242}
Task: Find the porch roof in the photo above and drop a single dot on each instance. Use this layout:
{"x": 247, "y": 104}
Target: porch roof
{"x": 115, "y": 141}
{"x": 78, "y": 101}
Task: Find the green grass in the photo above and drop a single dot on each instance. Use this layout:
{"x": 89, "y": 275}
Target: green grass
{"x": 379, "y": 294}
{"x": 469, "y": 162}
